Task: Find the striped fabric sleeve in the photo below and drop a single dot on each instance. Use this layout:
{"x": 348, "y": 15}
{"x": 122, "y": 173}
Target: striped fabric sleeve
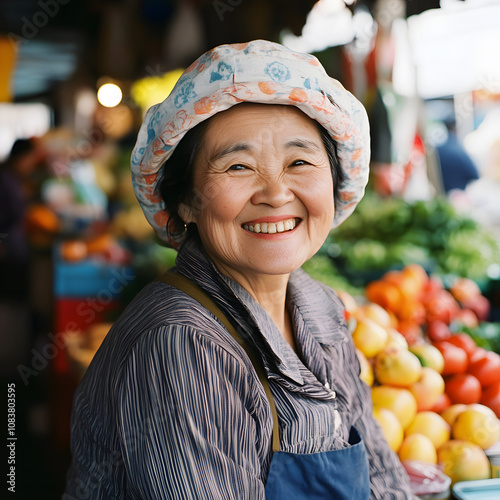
{"x": 186, "y": 428}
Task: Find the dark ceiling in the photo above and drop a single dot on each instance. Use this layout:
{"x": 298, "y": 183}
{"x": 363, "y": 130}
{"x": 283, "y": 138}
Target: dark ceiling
{"x": 122, "y": 39}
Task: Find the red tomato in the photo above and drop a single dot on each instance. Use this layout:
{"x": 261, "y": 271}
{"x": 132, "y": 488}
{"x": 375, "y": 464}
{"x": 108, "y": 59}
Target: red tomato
{"x": 486, "y": 368}
{"x": 463, "y": 388}
{"x": 437, "y": 331}
{"x": 491, "y": 398}
{"x": 455, "y": 358}
{"x": 464, "y": 341}
{"x": 443, "y": 401}
{"x": 480, "y": 305}
{"x": 467, "y": 318}
{"x": 442, "y": 306}
{"x": 478, "y": 354}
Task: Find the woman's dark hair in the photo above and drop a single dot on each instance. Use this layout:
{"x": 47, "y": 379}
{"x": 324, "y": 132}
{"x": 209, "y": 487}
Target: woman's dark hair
{"x": 176, "y": 182}
{"x": 338, "y": 173}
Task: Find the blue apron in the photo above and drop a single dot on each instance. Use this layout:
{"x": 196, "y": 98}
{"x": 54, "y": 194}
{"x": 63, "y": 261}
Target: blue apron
{"x": 334, "y": 475}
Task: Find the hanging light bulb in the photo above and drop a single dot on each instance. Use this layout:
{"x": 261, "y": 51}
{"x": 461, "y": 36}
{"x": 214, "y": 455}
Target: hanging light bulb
{"x": 109, "y": 95}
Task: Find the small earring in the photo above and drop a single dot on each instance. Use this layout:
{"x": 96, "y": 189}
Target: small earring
{"x": 185, "y": 227}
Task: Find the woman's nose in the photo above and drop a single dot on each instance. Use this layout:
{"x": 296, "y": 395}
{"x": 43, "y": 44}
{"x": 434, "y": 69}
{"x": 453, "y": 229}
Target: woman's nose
{"x": 273, "y": 191}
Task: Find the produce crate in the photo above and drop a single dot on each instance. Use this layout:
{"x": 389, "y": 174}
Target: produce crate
{"x": 90, "y": 277}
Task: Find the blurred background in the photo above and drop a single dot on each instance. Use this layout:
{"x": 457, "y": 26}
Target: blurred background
{"x": 76, "y": 77}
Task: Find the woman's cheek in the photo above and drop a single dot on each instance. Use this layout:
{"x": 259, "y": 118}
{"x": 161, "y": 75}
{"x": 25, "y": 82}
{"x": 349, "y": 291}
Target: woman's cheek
{"x": 316, "y": 192}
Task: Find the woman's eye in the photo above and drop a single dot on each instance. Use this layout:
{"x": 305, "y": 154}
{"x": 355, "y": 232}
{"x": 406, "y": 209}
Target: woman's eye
{"x": 298, "y": 163}
{"x": 237, "y": 167}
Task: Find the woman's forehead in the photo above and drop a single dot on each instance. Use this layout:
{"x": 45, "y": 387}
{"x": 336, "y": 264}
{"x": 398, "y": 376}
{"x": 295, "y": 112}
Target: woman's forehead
{"x": 259, "y": 121}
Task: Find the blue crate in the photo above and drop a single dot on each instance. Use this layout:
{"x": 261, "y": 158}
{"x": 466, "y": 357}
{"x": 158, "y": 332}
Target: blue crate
{"x": 90, "y": 278}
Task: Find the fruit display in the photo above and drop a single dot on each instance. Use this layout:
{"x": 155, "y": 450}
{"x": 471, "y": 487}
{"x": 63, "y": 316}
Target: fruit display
{"x": 104, "y": 246}
{"x": 435, "y": 390}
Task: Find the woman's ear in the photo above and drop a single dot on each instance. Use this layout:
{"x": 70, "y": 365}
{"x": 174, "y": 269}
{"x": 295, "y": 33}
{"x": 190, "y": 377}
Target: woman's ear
{"x": 186, "y": 213}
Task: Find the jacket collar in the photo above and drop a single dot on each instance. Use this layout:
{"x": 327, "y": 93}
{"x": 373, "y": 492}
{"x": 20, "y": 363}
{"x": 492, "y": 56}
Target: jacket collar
{"x": 313, "y": 302}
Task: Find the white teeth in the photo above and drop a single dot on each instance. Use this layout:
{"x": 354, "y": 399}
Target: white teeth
{"x": 271, "y": 227}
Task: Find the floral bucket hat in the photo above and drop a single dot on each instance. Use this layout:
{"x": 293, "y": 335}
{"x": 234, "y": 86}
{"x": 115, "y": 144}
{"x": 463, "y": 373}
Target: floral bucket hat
{"x": 259, "y": 72}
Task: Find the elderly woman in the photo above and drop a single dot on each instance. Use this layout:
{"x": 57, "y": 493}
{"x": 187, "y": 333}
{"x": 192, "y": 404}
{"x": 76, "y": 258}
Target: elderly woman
{"x": 234, "y": 376}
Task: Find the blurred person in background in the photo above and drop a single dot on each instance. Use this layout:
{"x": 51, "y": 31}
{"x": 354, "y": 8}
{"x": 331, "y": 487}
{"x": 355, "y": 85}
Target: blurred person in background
{"x": 457, "y": 167}
{"x": 18, "y": 188}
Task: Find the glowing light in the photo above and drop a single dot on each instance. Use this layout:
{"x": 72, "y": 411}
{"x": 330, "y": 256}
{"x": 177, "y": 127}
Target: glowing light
{"x": 109, "y": 95}
{"x": 154, "y": 89}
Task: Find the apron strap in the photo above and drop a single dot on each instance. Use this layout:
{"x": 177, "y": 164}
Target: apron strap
{"x": 184, "y": 284}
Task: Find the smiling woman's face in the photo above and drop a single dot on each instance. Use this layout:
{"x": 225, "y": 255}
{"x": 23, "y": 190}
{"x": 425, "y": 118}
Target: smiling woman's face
{"x": 263, "y": 190}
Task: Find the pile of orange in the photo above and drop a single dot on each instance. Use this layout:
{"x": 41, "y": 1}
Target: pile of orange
{"x": 427, "y": 398}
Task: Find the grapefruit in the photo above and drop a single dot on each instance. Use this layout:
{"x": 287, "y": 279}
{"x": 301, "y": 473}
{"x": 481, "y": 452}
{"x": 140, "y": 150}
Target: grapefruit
{"x": 391, "y": 428}
{"x": 427, "y": 389}
{"x": 369, "y": 337}
{"x": 428, "y": 355}
{"x": 400, "y": 401}
{"x": 477, "y": 426}
{"x": 432, "y": 425}
{"x": 417, "y": 447}
{"x": 463, "y": 461}
{"x": 397, "y": 366}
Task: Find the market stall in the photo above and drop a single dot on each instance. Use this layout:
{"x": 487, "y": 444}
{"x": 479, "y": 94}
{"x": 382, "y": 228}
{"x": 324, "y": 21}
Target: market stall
{"x": 417, "y": 265}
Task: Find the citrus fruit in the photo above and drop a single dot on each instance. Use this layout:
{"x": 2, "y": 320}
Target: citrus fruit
{"x": 451, "y": 413}
{"x": 369, "y": 337}
{"x": 400, "y": 401}
{"x": 391, "y": 428}
{"x": 427, "y": 389}
{"x": 376, "y": 313}
{"x": 428, "y": 355}
{"x": 397, "y": 366}
{"x": 432, "y": 425}
{"x": 463, "y": 461}
{"x": 418, "y": 274}
{"x": 417, "y": 447}
{"x": 395, "y": 337}
{"x": 385, "y": 294}
{"x": 477, "y": 426}
{"x": 366, "y": 373}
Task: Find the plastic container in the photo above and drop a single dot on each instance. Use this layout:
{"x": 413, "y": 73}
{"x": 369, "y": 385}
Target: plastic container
{"x": 485, "y": 489}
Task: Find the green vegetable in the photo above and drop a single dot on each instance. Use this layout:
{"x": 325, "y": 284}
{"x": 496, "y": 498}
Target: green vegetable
{"x": 389, "y": 233}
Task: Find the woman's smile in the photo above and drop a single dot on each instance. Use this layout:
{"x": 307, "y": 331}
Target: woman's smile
{"x": 269, "y": 226}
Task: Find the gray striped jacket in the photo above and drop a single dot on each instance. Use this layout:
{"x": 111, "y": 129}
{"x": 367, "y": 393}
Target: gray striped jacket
{"x": 171, "y": 407}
